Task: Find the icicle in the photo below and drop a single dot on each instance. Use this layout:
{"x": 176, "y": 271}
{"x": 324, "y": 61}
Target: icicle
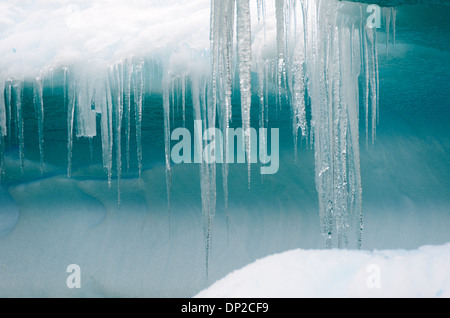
{"x": 371, "y": 81}
{"x": 3, "y": 131}
{"x": 342, "y": 41}
{"x": 115, "y": 74}
{"x": 118, "y": 75}
{"x": 394, "y": 18}
{"x": 18, "y": 89}
{"x": 207, "y": 170}
{"x": 39, "y": 110}
{"x": 3, "y": 127}
{"x": 245, "y": 65}
{"x": 166, "y": 108}
{"x": 287, "y": 30}
{"x": 259, "y": 9}
{"x": 84, "y": 90}
{"x": 208, "y": 188}
{"x": 266, "y": 106}
{"x": 65, "y": 87}
{"x": 215, "y": 26}
{"x": 8, "y": 88}
{"x": 103, "y": 105}
{"x": 354, "y": 173}
{"x": 335, "y": 51}
{"x": 228, "y": 92}
{"x": 298, "y": 97}
{"x": 71, "y": 100}
{"x": 207, "y": 96}
{"x": 294, "y": 13}
{"x": 376, "y": 93}
{"x": 110, "y": 133}
{"x": 280, "y": 16}
{"x": 297, "y": 86}
{"x": 138, "y": 101}
{"x": 221, "y": 37}
{"x": 387, "y": 13}
{"x": 183, "y": 98}
{"x": 127, "y": 72}
{"x": 366, "y": 81}
{"x": 179, "y": 94}
{"x": 263, "y": 9}
{"x": 262, "y": 103}
{"x": 172, "y": 99}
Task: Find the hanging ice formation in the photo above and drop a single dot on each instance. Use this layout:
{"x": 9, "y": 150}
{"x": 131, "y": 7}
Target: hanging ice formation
{"x": 222, "y": 46}
{"x": 3, "y": 131}
{"x": 39, "y": 111}
{"x": 323, "y": 53}
{"x": 17, "y": 89}
{"x": 390, "y": 16}
{"x": 324, "y": 49}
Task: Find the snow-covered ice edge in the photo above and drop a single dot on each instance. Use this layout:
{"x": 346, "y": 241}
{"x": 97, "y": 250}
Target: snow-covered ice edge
{"x": 421, "y": 273}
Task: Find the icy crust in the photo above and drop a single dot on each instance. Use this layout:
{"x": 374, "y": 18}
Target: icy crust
{"x": 311, "y": 54}
{"x": 340, "y": 273}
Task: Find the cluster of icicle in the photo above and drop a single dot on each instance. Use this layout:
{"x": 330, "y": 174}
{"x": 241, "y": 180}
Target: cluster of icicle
{"x": 89, "y": 90}
{"x": 325, "y": 49}
{"x": 324, "y": 52}
{"x": 109, "y": 94}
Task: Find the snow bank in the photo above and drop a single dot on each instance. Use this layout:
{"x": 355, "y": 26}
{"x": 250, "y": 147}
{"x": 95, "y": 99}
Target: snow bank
{"x": 341, "y": 273}
{"x": 45, "y": 33}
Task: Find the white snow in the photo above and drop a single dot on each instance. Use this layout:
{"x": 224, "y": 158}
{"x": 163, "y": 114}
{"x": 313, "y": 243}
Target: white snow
{"x": 39, "y": 34}
{"x": 341, "y": 273}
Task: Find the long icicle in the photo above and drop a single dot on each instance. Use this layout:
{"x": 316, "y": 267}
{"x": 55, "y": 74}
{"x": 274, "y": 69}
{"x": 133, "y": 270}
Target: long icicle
{"x": 18, "y": 97}
{"x": 127, "y": 72}
{"x": 103, "y": 97}
{"x": 71, "y": 100}
{"x": 333, "y": 66}
{"x": 166, "y": 108}
{"x": 138, "y": 103}
{"x": 387, "y": 14}
{"x": 3, "y": 125}
{"x": 245, "y": 65}
{"x": 39, "y": 110}
{"x": 394, "y": 21}
{"x": 281, "y": 37}
{"x": 115, "y": 73}
{"x": 3, "y": 130}
{"x": 8, "y": 106}
{"x": 298, "y": 89}
{"x": 221, "y": 37}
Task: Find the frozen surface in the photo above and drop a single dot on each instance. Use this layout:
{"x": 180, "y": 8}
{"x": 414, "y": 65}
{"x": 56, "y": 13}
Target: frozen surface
{"x": 338, "y": 273}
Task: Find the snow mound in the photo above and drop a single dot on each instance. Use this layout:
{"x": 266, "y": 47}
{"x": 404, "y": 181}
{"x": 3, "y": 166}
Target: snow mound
{"x": 341, "y": 273}
{"x": 47, "y": 33}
